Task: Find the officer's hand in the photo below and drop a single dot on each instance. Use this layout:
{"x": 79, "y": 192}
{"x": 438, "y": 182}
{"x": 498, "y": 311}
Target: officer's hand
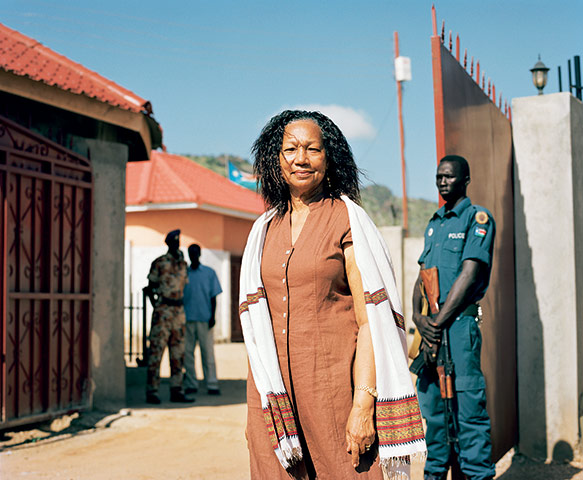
{"x": 429, "y": 352}
{"x": 212, "y": 322}
{"x": 154, "y": 299}
{"x": 428, "y": 329}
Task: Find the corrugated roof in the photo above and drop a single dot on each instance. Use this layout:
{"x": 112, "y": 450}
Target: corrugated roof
{"x": 168, "y": 178}
{"x": 24, "y": 56}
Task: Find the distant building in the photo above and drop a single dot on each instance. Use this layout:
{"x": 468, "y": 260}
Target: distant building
{"x": 171, "y": 191}
{"x": 66, "y": 134}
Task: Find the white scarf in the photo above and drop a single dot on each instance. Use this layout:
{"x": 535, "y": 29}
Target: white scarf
{"x": 398, "y": 418}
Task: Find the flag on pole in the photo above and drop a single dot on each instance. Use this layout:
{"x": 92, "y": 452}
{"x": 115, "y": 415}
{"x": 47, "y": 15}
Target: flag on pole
{"x": 244, "y": 179}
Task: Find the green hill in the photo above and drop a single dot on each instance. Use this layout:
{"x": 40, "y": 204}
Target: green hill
{"x": 218, "y": 164}
{"x": 384, "y": 208}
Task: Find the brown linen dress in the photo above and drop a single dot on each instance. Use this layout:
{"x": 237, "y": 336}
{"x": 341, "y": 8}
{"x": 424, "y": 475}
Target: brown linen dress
{"x": 315, "y": 331}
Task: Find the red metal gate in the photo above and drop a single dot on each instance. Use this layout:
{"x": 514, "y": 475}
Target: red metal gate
{"x": 471, "y": 121}
{"x": 45, "y": 271}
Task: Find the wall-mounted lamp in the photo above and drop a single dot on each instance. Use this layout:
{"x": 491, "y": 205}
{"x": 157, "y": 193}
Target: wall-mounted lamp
{"x": 539, "y": 75}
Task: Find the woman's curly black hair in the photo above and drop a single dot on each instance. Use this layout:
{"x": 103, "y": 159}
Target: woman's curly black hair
{"x": 342, "y": 174}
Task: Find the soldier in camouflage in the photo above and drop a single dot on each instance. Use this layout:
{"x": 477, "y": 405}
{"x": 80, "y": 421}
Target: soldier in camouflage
{"x": 167, "y": 278}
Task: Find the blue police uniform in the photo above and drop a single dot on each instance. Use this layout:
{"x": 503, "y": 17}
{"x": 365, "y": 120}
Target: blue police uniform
{"x": 465, "y": 232}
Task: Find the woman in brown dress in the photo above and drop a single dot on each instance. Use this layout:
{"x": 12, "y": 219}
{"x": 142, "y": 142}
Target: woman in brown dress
{"x": 316, "y": 304}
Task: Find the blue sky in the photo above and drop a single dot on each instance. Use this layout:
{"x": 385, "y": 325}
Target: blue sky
{"x": 216, "y": 71}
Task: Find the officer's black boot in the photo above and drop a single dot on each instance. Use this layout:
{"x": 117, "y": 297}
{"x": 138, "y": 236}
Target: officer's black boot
{"x": 152, "y": 397}
{"x": 177, "y": 396}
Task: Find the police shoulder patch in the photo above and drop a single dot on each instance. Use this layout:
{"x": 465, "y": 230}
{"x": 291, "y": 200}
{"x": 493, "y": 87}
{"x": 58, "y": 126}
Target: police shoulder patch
{"x": 481, "y": 217}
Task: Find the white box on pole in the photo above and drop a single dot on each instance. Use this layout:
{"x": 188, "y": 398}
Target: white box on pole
{"x": 402, "y": 69}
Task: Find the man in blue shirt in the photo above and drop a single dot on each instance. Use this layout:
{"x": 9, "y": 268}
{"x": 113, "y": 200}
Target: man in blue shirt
{"x": 200, "y": 304}
{"x": 459, "y": 241}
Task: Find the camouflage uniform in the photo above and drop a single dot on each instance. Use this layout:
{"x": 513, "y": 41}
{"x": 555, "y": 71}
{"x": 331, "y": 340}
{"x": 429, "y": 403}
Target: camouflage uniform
{"x": 168, "y": 321}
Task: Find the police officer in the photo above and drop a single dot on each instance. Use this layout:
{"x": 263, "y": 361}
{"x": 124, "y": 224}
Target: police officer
{"x": 167, "y": 279}
{"x": 459, "y": 242}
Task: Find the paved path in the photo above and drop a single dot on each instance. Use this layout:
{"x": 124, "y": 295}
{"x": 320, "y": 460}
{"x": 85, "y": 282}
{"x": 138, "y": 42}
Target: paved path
{"x": 204, "y": 440}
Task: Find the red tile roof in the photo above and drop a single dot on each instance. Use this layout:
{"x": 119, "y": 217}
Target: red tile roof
{"x": 167, "y": 178}
{"x": 21, "y": 55}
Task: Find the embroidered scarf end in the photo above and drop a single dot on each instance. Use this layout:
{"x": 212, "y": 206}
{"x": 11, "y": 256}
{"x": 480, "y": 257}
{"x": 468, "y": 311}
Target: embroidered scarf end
{"x": 282, "y": 430}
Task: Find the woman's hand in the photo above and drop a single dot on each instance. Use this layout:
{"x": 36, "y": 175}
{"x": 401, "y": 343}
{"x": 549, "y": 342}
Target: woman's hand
{"x": 360, "y": 430}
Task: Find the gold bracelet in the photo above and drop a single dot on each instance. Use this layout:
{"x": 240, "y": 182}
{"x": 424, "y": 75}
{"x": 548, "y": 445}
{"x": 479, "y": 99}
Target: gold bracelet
{"x": 366, "y": 388}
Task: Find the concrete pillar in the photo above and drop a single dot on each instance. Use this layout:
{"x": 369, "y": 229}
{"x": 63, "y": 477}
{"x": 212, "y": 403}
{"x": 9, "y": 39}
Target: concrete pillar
{"x": 413, "y": 247}
{"x": 548, "y": 190}
{"x": 393, "y": 237}
{"x": 107, "y": 368}
{"x": 404, "y": 252}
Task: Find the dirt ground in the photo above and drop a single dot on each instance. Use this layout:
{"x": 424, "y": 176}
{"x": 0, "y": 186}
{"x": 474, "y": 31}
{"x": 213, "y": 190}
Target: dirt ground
{"x": 204, "y": 440}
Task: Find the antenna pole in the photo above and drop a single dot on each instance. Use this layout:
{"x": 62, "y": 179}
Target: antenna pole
{"x": 402, "y": 136}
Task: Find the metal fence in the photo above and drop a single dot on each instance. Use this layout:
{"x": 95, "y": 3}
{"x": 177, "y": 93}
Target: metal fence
{"x": 137, "y": 325}
{"x": 577, "y": 84}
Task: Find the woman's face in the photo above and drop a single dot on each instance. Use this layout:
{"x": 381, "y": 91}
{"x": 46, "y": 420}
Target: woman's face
{"x": 303, "y": 158}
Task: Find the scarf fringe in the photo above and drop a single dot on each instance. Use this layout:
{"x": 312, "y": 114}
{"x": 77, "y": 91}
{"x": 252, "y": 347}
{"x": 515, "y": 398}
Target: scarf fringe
{"x": 288, "y": 454}
{"x": 390, "y": 462}
{"x": 393, "y": 475}
{"x": 399, "y": 468}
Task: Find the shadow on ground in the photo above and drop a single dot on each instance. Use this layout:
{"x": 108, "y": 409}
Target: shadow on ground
{"x": 233, "y": 392}
{"x": 59, "y": 428}
{"x": 66, "y": 426}
{"x": 523, "y": 468}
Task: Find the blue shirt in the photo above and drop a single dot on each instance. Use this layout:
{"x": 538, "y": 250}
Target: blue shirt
{"x": 465, "y": 232}
{"x": 202, "y": 286}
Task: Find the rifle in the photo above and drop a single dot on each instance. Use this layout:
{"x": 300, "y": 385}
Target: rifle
{"x": 445, "y": 367}
{"x": 153, "y": 294}
{"x": 429, "y": 288}
{"x": 445, "y": 371}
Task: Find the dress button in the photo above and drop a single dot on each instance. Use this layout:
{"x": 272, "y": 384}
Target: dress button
{"x": 283, "y": 331}
{"x": 287, "y": 252}
{"x": 284, "y": 315}
{"x": 283, "y": 265}
{"x": 283, "y": 280}
{"x": 284, "y": 298}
